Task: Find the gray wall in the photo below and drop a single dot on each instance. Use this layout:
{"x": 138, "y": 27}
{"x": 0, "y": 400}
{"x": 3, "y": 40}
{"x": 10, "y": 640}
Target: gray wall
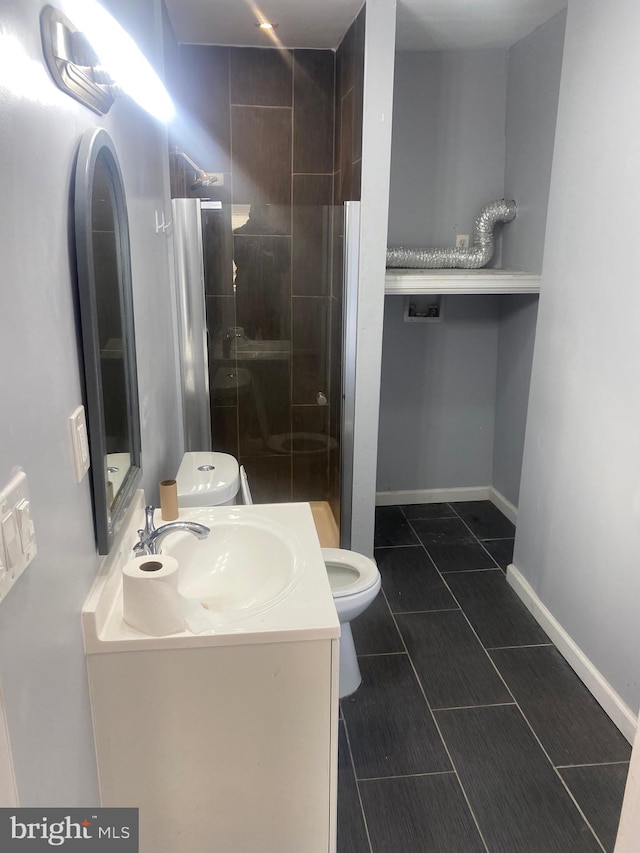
{"x": 448, "y": 143}
{"x": 516, "y": 336}
{"x": 437, "y": 403}
{"x": 380, "y": 23}
{"x": 533, "y": 85}
{"x": 469, "y": 126}
{"x": 41, "y": 654}
{"x": 578, "y": 535}
{"x": 439, "y": 380}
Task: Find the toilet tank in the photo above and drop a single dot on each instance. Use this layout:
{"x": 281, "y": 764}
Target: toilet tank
{"x": 207, "y": 479}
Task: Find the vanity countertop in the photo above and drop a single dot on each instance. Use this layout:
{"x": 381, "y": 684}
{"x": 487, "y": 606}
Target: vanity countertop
{"x": 307, "y": 612}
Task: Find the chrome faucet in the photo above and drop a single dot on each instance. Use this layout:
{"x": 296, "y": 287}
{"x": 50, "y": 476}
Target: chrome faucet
{"x": 152, "y": 536}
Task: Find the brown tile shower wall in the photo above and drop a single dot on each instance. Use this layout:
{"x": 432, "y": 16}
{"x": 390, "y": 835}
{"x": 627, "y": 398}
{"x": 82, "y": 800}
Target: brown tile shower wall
{"x": 349, "y": 99}
{"x": 268, "y": 117}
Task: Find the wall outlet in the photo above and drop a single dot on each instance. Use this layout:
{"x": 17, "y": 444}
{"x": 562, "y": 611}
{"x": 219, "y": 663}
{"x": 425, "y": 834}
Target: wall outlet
{"x": 462, "y": 241}
{"x": 17, "y": 533}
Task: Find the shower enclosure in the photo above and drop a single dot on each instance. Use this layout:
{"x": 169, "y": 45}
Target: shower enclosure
{"x": 276, "y": 140}
{"x": 264, "y": 347}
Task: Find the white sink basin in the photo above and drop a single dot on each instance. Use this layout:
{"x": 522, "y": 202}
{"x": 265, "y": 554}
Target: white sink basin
{"x": 245, "y": 564}
{"x": 260, "y": 572}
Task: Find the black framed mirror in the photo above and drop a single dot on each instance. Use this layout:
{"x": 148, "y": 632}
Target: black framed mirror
{"x": 108, "y": 337}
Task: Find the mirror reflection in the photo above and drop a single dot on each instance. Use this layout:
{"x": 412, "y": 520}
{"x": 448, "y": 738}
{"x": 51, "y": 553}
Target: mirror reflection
{"x": 110, "y": 332}
{"x": 106, "y": 310}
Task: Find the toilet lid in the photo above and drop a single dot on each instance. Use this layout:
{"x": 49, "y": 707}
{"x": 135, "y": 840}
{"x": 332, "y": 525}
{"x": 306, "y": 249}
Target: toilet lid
{"x": 349, "y": 571}
{"x": 207, "y": 478}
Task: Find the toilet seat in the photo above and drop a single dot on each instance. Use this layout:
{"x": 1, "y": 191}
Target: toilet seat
{"x": 349, "y": 572}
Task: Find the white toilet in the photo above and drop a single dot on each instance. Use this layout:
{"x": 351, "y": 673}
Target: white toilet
{"x": 355, "y": 582}
{"x": 214, "y": 479}
{"x": 207, "y": 478}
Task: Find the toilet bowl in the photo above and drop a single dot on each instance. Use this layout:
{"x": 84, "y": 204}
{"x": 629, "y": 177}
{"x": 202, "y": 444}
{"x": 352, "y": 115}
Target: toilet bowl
{"x": 302, "y": 443}
{"x": 355, "y": 581}
{"x": 213, "y": 479}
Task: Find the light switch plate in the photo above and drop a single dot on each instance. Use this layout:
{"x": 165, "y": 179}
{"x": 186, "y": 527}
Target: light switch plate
{"x": 17, "y": 533}
{"x": 79, "y": 442}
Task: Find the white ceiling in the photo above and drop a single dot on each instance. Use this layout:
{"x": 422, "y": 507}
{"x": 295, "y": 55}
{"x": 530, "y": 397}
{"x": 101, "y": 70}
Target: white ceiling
{"x": 301, "y": 23}
{"x": 421, "y": 24}
{"x": 459, "y": 24}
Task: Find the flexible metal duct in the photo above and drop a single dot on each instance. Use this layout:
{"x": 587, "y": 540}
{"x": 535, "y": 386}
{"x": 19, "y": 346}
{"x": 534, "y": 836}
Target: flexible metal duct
{"x": 478, "y": 255}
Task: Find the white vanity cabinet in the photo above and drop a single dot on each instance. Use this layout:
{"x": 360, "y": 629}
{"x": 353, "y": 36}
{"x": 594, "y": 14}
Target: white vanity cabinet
{"x": 224, "y": 749}
{"x": 226, "y": 742}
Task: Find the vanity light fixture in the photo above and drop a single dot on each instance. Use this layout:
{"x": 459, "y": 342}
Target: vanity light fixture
{"x": 93, "y": 59}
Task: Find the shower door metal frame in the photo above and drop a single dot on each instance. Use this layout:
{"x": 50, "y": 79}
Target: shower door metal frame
{"x": 192, "y": 323}
{"x": 349, "y": 348}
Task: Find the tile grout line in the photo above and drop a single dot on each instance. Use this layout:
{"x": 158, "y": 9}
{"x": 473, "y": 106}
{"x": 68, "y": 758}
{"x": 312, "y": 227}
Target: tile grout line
{"x": 517, "y": 704}
{"x": 468, "y": 571}
{"x": 262, "y": 106}
{"x": 414, "y": 612}
{"x": 482, "y": 541}
{"x": 592, "y": 764}
{"x": 475, "y": 707}
{"x": 559, "y": 775}
{"x": 459, "y": 518}
{"x": 478, "y": 540}
{"x": 435, "y": 722}
{"x": 381, "y": 654}
{"x": 355, "y": 779}
{"x": 233, "y": 283}
{"x": 526, "y": 646}
{"x": 466, "y": 525}
{"x": 495, "y": 538}
{"x": 406, "y": 776}
{"x": 291, "y": 251}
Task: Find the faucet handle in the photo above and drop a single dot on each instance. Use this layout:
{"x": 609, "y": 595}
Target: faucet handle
{"x": 149, "y": 526}
{"x": 140, "y": 547}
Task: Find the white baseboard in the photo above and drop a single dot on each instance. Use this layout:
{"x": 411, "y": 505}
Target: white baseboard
{"x": 603, "y": 692}
{"x": 453, "y": 495}
{"x": 434, "y": 496}
{"x": 505, "y": 506}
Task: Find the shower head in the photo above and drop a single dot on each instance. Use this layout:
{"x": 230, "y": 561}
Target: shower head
{"x": 203, "y": 179}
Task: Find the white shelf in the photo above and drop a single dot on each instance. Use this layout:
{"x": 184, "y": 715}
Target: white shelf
{"x": 414, "y": 281}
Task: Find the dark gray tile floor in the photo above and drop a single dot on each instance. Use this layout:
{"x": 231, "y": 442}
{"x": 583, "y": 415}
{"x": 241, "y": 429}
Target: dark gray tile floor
{"x": 470, "y": 732}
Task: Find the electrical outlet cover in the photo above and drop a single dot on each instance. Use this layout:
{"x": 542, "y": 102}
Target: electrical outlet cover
{"x": 17, "y": 533}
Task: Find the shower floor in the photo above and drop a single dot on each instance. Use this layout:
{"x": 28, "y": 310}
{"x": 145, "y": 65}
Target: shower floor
{"x": 328, "y": 532}
{"x": 470, "y": 732}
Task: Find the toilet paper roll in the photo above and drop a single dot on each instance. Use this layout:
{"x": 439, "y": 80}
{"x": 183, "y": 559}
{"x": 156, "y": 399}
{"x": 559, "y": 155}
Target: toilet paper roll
{"x": 151, "y": 601}
{"x": 169, "y": 500}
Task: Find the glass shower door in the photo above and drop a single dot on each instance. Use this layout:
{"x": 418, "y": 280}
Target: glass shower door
{"x": 273, "y": 286}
